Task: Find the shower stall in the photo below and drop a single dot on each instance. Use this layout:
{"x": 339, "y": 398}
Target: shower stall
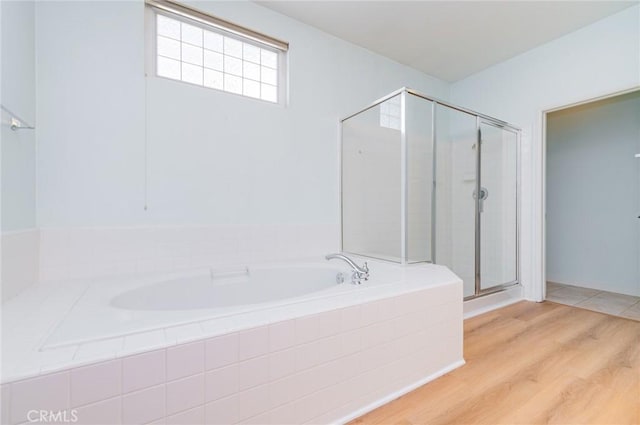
{"x": 423, "y": 180}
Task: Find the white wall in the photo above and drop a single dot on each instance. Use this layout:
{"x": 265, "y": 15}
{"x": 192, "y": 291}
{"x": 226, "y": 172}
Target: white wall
{"x": 18, "y": 95}
{"x": 593, "y": 195}
{"x": 91, "y": 111}
{"x": 601, "y": 58}
{"x": 20, "y": 239}
{"x": 212, "y": 157}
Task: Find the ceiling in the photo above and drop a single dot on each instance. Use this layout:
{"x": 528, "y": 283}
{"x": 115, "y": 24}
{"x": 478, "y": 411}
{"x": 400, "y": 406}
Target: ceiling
{"x": 449, "y": 40}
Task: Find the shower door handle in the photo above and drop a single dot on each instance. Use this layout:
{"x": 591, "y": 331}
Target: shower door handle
{"x": 484, "y": 194}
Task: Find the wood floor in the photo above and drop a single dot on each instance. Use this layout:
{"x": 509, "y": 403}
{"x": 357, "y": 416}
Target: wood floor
{"x": 533, "y": 363}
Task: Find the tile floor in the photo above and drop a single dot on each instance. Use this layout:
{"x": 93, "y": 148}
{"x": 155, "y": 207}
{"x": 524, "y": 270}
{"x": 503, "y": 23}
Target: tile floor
{"x": 593, "y": 299}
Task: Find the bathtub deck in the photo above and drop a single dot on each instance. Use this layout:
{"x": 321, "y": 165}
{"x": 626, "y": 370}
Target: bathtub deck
{"x": 28, "y": 321}
{"x": 318, "y": 361}
{"x": 533, "y": 363}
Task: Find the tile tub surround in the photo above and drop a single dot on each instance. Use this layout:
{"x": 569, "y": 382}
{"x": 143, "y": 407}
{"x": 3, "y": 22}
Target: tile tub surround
{"x": 20, "y": 250}
{"x": 87, "y": 252}
{"x": 323, "y": 367}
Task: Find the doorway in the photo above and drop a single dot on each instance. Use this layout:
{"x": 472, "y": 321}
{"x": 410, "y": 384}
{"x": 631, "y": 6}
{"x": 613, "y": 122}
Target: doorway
{"x": 593, "y": 205}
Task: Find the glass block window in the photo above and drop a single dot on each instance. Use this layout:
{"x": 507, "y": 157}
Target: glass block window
{"x": 211, "y": 58}
{"x": 390, "y": 113}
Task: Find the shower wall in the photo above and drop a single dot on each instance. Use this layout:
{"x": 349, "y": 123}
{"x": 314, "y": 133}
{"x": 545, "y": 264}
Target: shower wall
{"x": 373, "y": 166}
{"x": 371, "y": 171}
{"x": 409, "y": 184}
{"x": 419, "y": 134}
{"x": 456, "y": 136}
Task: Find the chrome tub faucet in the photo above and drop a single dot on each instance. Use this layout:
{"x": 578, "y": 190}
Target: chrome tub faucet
{"x": 359, "y": 273}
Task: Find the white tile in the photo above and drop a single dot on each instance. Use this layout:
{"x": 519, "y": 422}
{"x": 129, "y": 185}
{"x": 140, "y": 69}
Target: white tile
{"x": 282, "y": 363}
{"x": 282, "y": 335}
{"x": 324, "y": 403}
{"x": 251, "y": 319}
{"x": 566, "y": 297}
{"x": 222, "y": 412}
{"x": 351, "y": 342}
{"x": 329, "y": 323}
{"x": 102, "y": 413}
{"x": 318, "y": 352}
{"x": 284, "y": 415}
{"x": 56, "y": 273}
{"x": 143, "y": 341}
{"x": 377, "y": 356}
{"x": 218, "y": 326}
{"x": 185, "y": 360}
{"x": 57, "y": 358}
{"x": 50, "y": 392}
{"x": 253, "y": 402}
{"x": 632, "y": 312}
{"x": 144, "y": 406}
{"x": 253, "y": 372}
{"x": 253, "y": 343}
{"x": 375, "y": 311}
{"x": 221, "y": 382}
{"x": 221, "y": 351}
{"x": 183, "y": 333}
{"x": 377, "y": 333}
{"x": 608, "y": 302}
{"x": 307, "y": 329}
{"x": 185, "y": 393}
{"x": 261, "y": 419}
{"x": 284, "y": 390}
{"x": 309, "y": 407}
{"x": 319, "y": 377}
{"x": 99, "y": 350}
{"x": 143, "y": 370}
{"x": 5, "y": 404}
{"x": 96, "y": 382}
{"x": 574, "y": 291}
{"x": 189, "y": 417}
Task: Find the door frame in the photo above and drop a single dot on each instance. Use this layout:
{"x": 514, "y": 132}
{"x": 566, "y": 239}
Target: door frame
{"x": 478, "y": 221}
{"x": 544, "y": 112}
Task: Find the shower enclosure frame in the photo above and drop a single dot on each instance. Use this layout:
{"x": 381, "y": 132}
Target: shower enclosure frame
{"x": 480, "y": 119}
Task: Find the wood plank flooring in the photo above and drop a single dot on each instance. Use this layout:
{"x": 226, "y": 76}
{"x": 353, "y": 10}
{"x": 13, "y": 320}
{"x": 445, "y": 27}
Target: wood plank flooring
{"x": 533, "y": 363}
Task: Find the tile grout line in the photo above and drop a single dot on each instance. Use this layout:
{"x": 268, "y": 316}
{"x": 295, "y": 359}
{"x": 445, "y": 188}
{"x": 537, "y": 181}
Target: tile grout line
{"x": 580, "y": 303}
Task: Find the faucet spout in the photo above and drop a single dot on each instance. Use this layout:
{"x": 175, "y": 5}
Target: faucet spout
{"x": 359, "y": 272}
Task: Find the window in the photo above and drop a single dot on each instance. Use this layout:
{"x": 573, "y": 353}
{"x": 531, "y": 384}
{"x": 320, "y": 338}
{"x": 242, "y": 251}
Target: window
{"x": 390, "y": 113}
{"x": 217, "y": 55}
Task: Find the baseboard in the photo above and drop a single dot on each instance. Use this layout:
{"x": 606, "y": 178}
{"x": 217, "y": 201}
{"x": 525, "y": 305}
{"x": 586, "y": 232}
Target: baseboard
{"x": 380, "y": 402}
{"x": 491, "y": 302}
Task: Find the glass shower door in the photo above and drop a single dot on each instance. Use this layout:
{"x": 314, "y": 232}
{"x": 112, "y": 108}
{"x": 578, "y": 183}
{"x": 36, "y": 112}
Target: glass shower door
{"x": 455, "y": 180}
{"x": 497, "y": 206}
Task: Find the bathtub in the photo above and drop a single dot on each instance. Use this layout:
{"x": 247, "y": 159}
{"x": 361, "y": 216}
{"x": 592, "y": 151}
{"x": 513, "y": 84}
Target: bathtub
{"x": 135, "y": 306}
{"x": 270, "y": 343}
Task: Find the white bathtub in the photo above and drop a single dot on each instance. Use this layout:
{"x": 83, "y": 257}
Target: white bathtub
{"x": 280, "y": 343}
{"x": 233, "y": 287}
{"x": 118, "y": 308}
